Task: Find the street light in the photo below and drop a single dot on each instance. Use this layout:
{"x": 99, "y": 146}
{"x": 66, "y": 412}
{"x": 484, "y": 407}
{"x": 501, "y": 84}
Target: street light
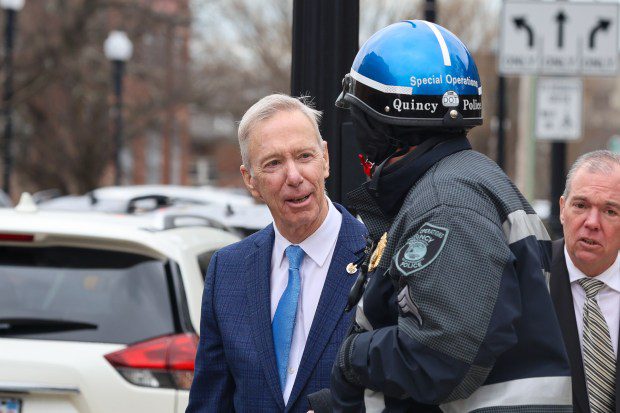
{"x": 11, "y": 7}
{"x": 118, "y": 49}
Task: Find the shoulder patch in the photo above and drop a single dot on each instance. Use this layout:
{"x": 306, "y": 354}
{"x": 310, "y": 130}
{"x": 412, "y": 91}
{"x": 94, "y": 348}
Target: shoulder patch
{"x": 421, "y": 249}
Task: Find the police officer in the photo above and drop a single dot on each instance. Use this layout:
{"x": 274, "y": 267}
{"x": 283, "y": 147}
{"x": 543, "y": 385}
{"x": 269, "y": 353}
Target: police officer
{"x": 455, "y": 313}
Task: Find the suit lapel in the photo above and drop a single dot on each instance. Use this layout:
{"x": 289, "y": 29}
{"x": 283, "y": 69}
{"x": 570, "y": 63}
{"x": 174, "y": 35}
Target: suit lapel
{"x": 562, "y": 297}
{"x": 332, "y": 302}
{"x": 257, "y": 268}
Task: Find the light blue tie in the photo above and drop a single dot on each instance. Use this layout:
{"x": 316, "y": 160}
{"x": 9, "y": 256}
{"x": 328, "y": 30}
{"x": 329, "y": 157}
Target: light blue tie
{"x": 284, "y": 319}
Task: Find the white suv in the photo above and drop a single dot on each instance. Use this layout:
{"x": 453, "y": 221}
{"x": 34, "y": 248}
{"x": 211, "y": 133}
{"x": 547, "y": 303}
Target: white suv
{"x": 98, "y": 312}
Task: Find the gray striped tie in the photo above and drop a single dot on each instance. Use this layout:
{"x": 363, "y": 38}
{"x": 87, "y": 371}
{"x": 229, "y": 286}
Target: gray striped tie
{"x": 598, "y": 354}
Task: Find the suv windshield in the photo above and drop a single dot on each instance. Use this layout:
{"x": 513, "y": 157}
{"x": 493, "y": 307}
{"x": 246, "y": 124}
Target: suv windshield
{"x": 80, "y": 294}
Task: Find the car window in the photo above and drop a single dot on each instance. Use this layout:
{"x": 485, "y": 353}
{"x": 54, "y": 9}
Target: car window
{"x": 126, "y": 296}
{"x": 203, "y": 261}
{"x": 5, "y": 200}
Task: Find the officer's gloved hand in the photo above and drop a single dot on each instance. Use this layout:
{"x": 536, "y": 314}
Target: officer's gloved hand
{"x": 347, "y": 394}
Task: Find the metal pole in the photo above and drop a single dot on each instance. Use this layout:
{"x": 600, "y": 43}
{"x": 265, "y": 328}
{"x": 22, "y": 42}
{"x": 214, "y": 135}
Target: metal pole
{"x": 501, "y": 115}
{"x": 558, "y": 177}
{"x": 430, "y": 11}
{"x": 7, "y": 99}
{"x": 117, "y": 80}
{"x": 325, "y": 41}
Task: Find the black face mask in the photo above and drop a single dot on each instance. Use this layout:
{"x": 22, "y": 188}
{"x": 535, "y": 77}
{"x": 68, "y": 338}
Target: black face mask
{"x": 373, "y": 137}
{"x": 380, "y": 141}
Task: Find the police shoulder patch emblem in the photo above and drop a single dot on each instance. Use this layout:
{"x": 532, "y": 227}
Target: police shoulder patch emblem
{"x": 421, "y": 249}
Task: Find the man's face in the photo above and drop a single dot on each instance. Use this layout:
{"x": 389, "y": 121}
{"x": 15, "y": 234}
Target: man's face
{"x": 288, "y": 172}
{"x": 591, "y": 220}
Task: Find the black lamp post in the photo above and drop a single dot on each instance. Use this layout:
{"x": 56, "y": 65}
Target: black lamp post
{"x": 118, "y": 50}
{"x": 11, "y": 7}
{"x": 430, "y": 10}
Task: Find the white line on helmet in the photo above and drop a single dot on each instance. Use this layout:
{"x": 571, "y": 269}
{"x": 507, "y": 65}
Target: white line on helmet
{"x": 442, "y": 43}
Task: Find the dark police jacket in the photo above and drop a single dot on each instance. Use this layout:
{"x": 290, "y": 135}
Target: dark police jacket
{"x": 457, "y": 316}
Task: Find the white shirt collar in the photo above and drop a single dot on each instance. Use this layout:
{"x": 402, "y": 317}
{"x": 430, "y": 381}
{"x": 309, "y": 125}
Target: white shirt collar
{"x": 611, "y": 276}
{"x": 318, "y": 245}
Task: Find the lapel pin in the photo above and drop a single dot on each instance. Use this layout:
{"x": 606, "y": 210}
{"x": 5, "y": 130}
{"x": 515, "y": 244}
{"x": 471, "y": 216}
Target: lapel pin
{"x": 351, "y": 268}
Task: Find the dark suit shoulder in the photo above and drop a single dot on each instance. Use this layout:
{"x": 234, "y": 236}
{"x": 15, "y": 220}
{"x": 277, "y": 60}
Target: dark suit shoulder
{"x": 559, "y": 272}
{"x": 558, "y": 248}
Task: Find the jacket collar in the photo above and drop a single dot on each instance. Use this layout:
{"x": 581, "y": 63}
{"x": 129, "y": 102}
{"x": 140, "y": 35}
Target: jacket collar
{"x": 395, "y": 181}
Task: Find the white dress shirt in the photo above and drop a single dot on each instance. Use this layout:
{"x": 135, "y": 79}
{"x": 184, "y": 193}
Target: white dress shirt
{"x": 319, "y": 248}
{"x": 608, "y": 298}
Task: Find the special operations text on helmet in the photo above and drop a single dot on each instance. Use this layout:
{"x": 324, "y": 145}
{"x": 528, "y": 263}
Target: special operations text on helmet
{"x": 438, "y": 80}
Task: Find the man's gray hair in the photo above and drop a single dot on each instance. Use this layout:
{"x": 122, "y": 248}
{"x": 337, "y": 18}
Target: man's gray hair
{"x": 268, "y": 107}
{"x": 601, "y": 161}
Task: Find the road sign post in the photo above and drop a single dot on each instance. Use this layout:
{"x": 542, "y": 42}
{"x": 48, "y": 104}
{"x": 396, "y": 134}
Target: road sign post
{"x": 559, "y": 119}
{"x": 559, "y": 108}
{"x": 325, "y": 41}
{"x": 559, "y": 38}
{"x": 564, "y": 39}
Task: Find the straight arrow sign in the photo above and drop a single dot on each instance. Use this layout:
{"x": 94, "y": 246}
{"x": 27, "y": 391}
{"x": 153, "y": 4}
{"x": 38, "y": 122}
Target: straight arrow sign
{"x": 561, "y": 19}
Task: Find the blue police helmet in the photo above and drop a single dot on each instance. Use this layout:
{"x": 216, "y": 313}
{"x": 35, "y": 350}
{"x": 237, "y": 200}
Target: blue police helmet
{"x": 415, "y": 73}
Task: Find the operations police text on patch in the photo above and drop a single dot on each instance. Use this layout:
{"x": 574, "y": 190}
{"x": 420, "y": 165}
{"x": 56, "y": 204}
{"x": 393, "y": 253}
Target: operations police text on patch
{"x": 421, "y": 249}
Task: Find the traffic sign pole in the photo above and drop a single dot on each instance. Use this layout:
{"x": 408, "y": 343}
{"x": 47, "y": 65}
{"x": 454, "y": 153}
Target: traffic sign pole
{"x": 558, "y": 116}
{"x": 325, "y": 41}
{"x": 558, "y": 176}
{"x": 559, "y": 107}
{"x": 558, "y": 38}
{"x": 501, "y": 114}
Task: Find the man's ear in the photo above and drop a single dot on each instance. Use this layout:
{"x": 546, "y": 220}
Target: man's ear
{"x": 326, "y": 158}
{"x": 248, "y": 180}
{"x": 562, "y": 204}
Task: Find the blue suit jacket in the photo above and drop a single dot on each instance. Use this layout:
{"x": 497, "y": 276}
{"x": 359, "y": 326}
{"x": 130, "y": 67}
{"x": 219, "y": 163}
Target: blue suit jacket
{"x": 235, "y": 364}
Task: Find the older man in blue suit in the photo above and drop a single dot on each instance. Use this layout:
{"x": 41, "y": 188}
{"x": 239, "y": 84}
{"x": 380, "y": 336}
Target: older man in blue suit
{"x": 272, "y": 310}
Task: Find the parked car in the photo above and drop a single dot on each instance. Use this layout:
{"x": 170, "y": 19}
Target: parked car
{"x": 5, "y": 200}
{"x": 241, "y": 219}
{"x": 136, "y": 198}
{"x": 230, "y": 207}
{"x": 99, "y": 312}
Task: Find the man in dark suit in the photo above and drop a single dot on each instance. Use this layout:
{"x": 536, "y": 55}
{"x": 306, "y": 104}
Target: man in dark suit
{"x": 272, "y": 312}
{"x": 585, "y": 280}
